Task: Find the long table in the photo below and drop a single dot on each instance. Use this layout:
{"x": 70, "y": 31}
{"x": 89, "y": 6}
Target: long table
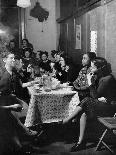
{"x": 52, "y": 106}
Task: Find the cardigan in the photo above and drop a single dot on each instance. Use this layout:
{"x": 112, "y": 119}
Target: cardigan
{"x": 106, "y": 88}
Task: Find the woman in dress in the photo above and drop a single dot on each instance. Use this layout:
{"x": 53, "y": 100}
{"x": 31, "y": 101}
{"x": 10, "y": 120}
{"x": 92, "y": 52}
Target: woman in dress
{"x": 81, "y": 84}
{"x": 57, "y": 66}
{"x": 45, "y": 62}
{"x": 63, "y": 73}
{"x": 102, "y": 87}
{"x": 26, "y": 46}
{"x": 27, "y": 59}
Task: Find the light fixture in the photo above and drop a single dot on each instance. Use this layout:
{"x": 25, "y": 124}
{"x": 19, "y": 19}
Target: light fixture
{"x": 23, "y": 3}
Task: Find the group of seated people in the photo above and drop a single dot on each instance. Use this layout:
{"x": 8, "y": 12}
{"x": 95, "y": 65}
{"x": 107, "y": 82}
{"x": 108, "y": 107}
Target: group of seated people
{"x": 39, "y": 63}
{"x": 32, "y": 65}
{"x": 95, "y": 85}
{"x": 96, "y": 88}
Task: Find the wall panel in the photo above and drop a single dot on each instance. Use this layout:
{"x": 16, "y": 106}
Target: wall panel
{"x": 43, "y": 36}
{"x": 9, "y": 22}
{"x": 110, "y": 33}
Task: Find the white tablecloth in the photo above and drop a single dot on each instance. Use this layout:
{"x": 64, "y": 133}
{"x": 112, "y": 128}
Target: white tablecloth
{"x": 47, "y": 107}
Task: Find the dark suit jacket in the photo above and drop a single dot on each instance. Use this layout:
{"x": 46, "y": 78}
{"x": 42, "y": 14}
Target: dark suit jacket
{"x": 5, "y": 82}
{"x": 8, "y": 86}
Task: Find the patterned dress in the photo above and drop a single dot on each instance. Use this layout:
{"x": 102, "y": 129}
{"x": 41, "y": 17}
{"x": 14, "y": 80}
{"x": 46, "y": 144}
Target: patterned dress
{"x": 106, "y": 88}
{"x": 81, "y": 83}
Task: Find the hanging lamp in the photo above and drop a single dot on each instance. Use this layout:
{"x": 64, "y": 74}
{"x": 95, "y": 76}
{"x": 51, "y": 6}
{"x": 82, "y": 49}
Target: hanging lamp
{"x": 23, "y": 3}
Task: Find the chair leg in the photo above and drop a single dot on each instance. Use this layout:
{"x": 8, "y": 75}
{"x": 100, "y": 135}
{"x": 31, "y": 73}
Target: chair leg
{"x": 108, "y": 148}
{"x": 40, "y": 134}
{"x": 101, "y": 139}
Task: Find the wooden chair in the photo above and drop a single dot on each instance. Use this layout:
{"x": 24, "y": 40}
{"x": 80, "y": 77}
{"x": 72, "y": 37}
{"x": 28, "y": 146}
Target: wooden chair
{"x": 110, "y": 125}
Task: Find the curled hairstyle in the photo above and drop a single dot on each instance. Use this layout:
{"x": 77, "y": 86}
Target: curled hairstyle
{"x": 45, "y": 52}
{"x": 26, "y": 41}
{"x": 53, "y": 52}
{"x": 102, "y": 66}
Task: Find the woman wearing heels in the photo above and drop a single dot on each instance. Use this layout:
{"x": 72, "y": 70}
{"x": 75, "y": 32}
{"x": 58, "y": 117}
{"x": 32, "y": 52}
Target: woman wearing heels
{"x": 102, "y": 87}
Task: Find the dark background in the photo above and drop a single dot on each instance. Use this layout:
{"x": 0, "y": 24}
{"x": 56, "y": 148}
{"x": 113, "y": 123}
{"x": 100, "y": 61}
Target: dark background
{"x": 10, "y": 19}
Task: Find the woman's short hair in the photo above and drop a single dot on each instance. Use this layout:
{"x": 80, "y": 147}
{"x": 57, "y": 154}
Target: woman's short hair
{"x": 99, "y": 62}
{"x": 25, "y": 40}
{"x": 102, "y": 65}
{"x": 45, "y": 52}
{"x": 53, "y": 52}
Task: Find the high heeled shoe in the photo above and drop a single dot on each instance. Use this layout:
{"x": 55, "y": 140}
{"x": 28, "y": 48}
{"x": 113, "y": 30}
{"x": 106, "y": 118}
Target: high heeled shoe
{"x": 78, "y": 146}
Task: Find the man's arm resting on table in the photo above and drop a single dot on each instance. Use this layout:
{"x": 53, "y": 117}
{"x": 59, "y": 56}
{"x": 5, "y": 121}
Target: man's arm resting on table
{"x": 28, "y": 84}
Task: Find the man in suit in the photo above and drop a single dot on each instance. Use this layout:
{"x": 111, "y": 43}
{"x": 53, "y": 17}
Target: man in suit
{"x": 11, "y": 128}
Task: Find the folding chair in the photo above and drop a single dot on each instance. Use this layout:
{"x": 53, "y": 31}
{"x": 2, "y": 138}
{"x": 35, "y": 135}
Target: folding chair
{"x": 110, "y": 124}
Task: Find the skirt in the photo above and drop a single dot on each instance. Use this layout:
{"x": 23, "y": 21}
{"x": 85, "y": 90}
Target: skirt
{"x": 94, "y": 107}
